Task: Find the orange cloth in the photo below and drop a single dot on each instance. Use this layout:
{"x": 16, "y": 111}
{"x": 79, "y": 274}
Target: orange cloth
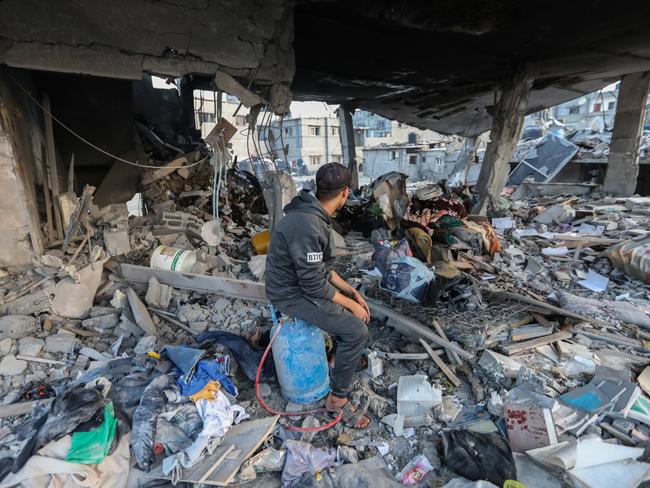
{"x": 208, "y": 392}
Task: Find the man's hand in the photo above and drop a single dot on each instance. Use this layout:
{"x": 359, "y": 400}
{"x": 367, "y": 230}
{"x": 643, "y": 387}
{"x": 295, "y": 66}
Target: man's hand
{"x": 357, "y": 297}
{"x": 359, "y": 312}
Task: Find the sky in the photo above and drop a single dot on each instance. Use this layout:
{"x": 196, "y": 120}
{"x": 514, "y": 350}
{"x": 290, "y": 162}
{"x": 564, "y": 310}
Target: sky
{"x": 312, "y": 109}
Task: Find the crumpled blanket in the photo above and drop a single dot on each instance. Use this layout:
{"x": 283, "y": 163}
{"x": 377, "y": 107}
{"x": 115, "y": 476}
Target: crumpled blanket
{"x": 48, "y": 468}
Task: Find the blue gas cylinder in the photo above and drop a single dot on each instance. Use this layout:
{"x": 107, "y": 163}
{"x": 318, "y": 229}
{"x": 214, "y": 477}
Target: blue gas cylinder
{"x": 300, "y": 361}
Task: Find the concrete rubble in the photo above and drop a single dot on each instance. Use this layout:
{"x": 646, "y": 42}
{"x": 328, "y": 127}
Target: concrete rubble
{"x": 532, "y": 335}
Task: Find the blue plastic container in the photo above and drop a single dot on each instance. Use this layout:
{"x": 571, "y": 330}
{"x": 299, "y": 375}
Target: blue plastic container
{"x": 300, "y": 361}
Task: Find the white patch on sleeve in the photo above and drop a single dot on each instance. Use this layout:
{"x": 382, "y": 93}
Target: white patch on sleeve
{"x": 314, "y": 257}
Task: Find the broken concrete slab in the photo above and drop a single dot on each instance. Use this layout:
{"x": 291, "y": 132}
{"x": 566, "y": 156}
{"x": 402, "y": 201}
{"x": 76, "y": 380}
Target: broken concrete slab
{"x": 228, "y": 287}
{"x": 73, "y": 299}
{"x": 30, "y": 346}
{"x": 158, "y": 295}
{"x": 117, "y": 241}
{"x": 17, "y": 326}
{"x": 10, "y": 366}
{"x": 61, "y": 342}
{"x": 257, "y": 266}
{"x": 101, "y": 322}
{"x": 140, "y": 313}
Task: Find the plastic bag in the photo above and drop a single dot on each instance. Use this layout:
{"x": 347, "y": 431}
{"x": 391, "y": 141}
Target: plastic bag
{"x": 633, "y": 257}
{"x": 407, "y": 278}
{"x": 478, "y": 456}
{"x": 389, "y": 250}
{"x": 74, "y": 408}
{"x": 415, "y": 471}
{"x": 302, "y": 458}
{"x": 269, "y": 459}
{"x": 92, "y": 447}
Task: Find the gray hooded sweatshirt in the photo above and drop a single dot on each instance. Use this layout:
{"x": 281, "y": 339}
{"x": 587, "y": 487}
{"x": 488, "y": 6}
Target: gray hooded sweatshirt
{"x": 295, "y": 264}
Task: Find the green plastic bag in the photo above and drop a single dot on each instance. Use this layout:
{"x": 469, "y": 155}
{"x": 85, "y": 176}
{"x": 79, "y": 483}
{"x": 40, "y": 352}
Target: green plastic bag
{"x": 92, "y": 447}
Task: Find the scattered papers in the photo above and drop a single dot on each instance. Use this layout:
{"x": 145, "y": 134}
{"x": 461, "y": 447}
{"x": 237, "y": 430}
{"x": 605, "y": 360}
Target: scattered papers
{"x": 595, "y": 281}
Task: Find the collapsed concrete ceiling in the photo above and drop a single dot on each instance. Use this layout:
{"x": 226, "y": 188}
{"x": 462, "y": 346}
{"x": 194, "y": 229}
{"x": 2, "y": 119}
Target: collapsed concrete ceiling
{"x": 434, "y": 65}
{"x": 437, "y": 64}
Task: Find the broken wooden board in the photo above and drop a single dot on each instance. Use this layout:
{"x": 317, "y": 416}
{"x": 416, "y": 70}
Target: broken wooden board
{"x": 532, "y": 344}
{"x": 227, "y": 287}
{"x": 220, "y": 468}
{"x": 531, "y": 331}
{"x": 440, "y": 363}
{"x": 411, "y": 327}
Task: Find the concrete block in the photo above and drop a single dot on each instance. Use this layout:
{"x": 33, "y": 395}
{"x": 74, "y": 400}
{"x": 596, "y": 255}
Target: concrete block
{"x": 117, "y": 242}
{"x": 158, "y": 295}
{"x": 60, "y": 342}
{"x": 30, "y": 346}
{"x": 101, "y": 322}
{"x": 17, "y": 326}
{"x": 5, "y": 346}
{"x": 10, "y": 366}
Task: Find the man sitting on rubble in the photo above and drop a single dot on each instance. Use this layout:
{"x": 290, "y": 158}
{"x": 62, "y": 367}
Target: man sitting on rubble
{"x": 299, "y": 284}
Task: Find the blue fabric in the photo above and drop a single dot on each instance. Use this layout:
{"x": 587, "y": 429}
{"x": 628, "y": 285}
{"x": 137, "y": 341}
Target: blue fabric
{"x": 205, "y": 371}
{"x": 247, "y": 358}
{"x": 185, "y": 358}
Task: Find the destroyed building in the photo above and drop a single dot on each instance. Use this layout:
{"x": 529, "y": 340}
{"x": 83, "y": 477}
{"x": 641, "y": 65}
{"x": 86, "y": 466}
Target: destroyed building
{"x": 508, "y": 341}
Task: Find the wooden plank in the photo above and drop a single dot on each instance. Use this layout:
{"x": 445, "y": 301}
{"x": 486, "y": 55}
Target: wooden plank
{"x": 163, "y": 315}
{"x": 217, "y": 463}
{"x": 228, "y": 287}
{"x": 530, "y": 332}
{"x": 609, "y": 338}
{"x": 41, "y": 360}
{"x": 51, "y": 159}
{"x": 46, "y": 196}
{"x": 451, "y": 355}
{"x": 532, "y": 344}
{"x": 219, "y": 469}
{"x": 540, "y": 319}
{"x": 71, "y": 175}
{"x": 21, "y": 408}
{"x": 413, "y": 328}
{"x": 441, "y": 364}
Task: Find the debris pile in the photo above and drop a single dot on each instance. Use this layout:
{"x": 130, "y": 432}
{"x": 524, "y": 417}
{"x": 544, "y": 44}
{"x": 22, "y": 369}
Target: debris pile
{"x": 503, "y": 348}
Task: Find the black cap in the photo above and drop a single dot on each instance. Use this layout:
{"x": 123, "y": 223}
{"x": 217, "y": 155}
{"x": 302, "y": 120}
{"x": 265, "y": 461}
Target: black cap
{"x": 332, "y": 177}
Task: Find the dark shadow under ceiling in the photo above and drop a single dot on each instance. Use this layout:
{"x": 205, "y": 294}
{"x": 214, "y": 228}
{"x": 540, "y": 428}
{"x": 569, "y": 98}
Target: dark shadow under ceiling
{"x": 438, "y": 64}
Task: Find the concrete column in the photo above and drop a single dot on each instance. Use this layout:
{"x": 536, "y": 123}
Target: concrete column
{"x": 20, "y": 133}
{"x": 465, "y": 158}
{"x": 623, "y": 162}
{"x": 346, "y": 133}
{"x": 507, "y": 122}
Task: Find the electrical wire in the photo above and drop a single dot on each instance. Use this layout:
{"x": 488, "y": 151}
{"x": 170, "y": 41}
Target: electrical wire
{"x": 97, "y": 148}
{"x": 273, "y": 411}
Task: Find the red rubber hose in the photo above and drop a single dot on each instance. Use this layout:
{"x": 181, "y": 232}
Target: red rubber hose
{"x": 290, "y": 414}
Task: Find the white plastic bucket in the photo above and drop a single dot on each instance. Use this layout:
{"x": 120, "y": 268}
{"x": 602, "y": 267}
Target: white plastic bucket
{"x": 173, "y": 259}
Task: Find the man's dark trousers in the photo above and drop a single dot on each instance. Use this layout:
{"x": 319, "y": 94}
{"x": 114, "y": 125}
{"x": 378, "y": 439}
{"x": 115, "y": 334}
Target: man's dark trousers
{"x": 349, "y": 331}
